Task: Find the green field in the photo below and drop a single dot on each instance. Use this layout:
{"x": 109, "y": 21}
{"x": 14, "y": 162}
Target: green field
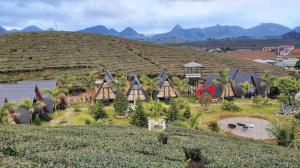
{"x": 46, "y": 55}
{"x": 112, "y": 146}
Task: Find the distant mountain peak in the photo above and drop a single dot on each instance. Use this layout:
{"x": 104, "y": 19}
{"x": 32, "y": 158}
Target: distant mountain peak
{"x": 2, "y": 30}
{"x": 32, "y": 28}
{"x": 177, "y": 27}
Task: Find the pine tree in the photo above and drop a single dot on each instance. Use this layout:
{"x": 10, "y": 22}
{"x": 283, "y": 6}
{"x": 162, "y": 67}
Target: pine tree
{"x": 98, "y": 111}
{"x": 139, "y": 118}
{"x": 173, "y": 111}
{"x": 120, "y": 103}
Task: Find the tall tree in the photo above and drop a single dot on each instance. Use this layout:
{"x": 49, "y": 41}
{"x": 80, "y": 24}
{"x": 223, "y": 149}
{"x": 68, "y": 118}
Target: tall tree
{"x": 267, "y": 81}
{"x": 246, "y": 87}
{"x": 5, "y": 112}
{"x": 88, "y": 82}
{"x": 66, "y": 83}
{"x": 223, "y": 80}
{"x": 149, "y": 84}
{"x": 181, "y": 85}
{"x": 54, "y": 94}
{"x": 31, "y": 106}
{"x": 139, "y": 117}
{"x": 120, "y": 104}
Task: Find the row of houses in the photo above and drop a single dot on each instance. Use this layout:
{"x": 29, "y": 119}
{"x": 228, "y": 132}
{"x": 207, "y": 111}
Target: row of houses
{"x": 164, "y": 89}
{"x": 105, "y": 91}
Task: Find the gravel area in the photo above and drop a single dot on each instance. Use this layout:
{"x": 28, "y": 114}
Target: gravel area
{"x": 259, "y": 130}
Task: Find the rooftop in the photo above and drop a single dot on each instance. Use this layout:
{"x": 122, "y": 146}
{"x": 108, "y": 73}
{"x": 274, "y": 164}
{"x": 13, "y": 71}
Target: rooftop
{"x": 192, "y": 64}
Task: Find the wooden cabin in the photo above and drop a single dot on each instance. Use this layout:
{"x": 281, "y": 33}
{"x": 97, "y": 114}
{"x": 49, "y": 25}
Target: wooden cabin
{"x": 104, "y": 90}
{"x": 165, "y": 89}
{"x": 136, "y": 91}
{"x": 27, "y": 90}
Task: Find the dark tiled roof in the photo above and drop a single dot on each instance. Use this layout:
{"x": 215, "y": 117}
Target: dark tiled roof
{"x": 237, "y": 79}
{"x": 211, "y": 81}
{"x": 23, "y": 90}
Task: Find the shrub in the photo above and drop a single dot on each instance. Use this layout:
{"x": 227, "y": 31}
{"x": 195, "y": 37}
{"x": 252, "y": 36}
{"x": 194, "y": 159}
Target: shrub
{"x": 257, "y": 100}
{"x": 163, "y": 138}
{"x": 139, "y": 117}
{"x": 230, "y": 106}
{"x": 187, "y": 112}
{"x": 120, "y": 103}
{"x": 37, "y": 120}
{"x": 88, "y": 121}
{"x": 173, "y": 111}
{"x": 156, "y": 109}
{"x": 205, "y": 100}
{"x": 10, "y": 151}
{"x": 98, "y": 111}
{"x": 297, "y": 116}
{"x": 213, "y": 125}
{"x": 283, "y": 135}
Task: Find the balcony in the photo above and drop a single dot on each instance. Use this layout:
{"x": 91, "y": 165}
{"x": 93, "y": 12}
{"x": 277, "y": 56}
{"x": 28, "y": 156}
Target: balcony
{"x": 193, "y": 75}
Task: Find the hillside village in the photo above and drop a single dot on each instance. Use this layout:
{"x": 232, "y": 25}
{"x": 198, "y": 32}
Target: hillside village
{"x": 234, "y": 99}
{"x": 113, "y": 84}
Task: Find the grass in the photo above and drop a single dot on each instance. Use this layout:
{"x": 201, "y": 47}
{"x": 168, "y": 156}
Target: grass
{"x": 216, "y": 113}
{"x": 46, "y": 55}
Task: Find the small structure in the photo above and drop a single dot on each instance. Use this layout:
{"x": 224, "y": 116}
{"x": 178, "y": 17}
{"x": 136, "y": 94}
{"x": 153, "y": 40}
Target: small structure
{"x": 164, "y": 89}
{"x": 136, "y": 91}
{"x": 193, "y": 73}
{"x": 27, "y": 90}
{"x": 104, "y": 90}
{"x": 153, "y": 123}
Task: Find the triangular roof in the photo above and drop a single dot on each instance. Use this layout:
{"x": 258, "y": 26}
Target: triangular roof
{"x": 136, "y": 85}
{"x": 108, "y": 77}
{"x": 192, "y": 64}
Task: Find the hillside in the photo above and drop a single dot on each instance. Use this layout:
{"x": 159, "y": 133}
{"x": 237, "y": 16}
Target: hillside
{"x": 255, "y": 44}
{"x": 47, "y": 54}
{"x": 109, "y": 146}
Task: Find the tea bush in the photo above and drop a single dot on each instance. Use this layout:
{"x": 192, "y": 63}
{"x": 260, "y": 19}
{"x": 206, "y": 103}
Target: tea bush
{"x": 112, "y": 146}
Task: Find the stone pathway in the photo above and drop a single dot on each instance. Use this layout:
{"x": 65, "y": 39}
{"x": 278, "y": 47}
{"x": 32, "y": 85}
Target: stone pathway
{"x": 258, "y": 132}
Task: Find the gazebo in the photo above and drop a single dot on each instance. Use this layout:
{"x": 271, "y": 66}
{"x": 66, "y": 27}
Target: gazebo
{"x": 193, "y": 73}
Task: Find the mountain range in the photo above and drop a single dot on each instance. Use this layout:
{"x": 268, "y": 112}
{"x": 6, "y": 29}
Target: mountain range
{"x": 179, "y": 34}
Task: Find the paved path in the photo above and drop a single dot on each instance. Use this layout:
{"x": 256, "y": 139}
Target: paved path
{"x": 258, "y": 132}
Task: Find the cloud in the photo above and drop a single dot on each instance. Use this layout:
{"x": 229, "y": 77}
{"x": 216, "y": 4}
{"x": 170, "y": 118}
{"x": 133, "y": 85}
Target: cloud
{"x": 150, "y": 16}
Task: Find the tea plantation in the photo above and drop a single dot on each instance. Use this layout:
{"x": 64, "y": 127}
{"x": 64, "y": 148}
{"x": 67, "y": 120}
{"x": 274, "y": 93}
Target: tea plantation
{"x": 46, "y": 55}
{"x": 110, "y": 146}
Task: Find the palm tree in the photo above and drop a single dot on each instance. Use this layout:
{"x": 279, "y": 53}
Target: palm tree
{"x": 55, "y": 95}
{"x": 88, "y": 82}
{"x": 181, "y": 85}
{"x": 66, "y": 83}
{"x": 5, "y": 112}
{"x": 119, "y": 83}
{"x": 267, "y": 81}
{"x": 149, "y": 84}
{"x": 31, "y": 106}
{"x": 223, "y": 80}
{"x": 246, "y": 86}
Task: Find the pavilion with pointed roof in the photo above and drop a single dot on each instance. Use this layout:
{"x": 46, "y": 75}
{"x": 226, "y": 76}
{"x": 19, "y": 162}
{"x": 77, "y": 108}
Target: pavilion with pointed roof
{"x": 193, "y": 74}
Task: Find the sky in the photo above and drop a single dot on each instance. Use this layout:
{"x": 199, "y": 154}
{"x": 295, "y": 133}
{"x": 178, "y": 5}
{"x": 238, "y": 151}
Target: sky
{"x": 146, "y": 16}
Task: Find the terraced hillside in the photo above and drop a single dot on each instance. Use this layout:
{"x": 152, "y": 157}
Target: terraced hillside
{"x": 109, "y": 146}
{"x": 47, "y": 54}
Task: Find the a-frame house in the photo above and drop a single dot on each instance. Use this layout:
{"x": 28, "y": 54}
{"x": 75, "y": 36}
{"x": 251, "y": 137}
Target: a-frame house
{"x": 105, "y": 91}
{"x": 164, "y": 89}
{"x": 136, "y": 91}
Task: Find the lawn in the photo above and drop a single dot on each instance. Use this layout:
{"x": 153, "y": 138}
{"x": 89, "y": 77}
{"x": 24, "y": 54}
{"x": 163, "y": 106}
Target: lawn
{"x": 79, "y": 114}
